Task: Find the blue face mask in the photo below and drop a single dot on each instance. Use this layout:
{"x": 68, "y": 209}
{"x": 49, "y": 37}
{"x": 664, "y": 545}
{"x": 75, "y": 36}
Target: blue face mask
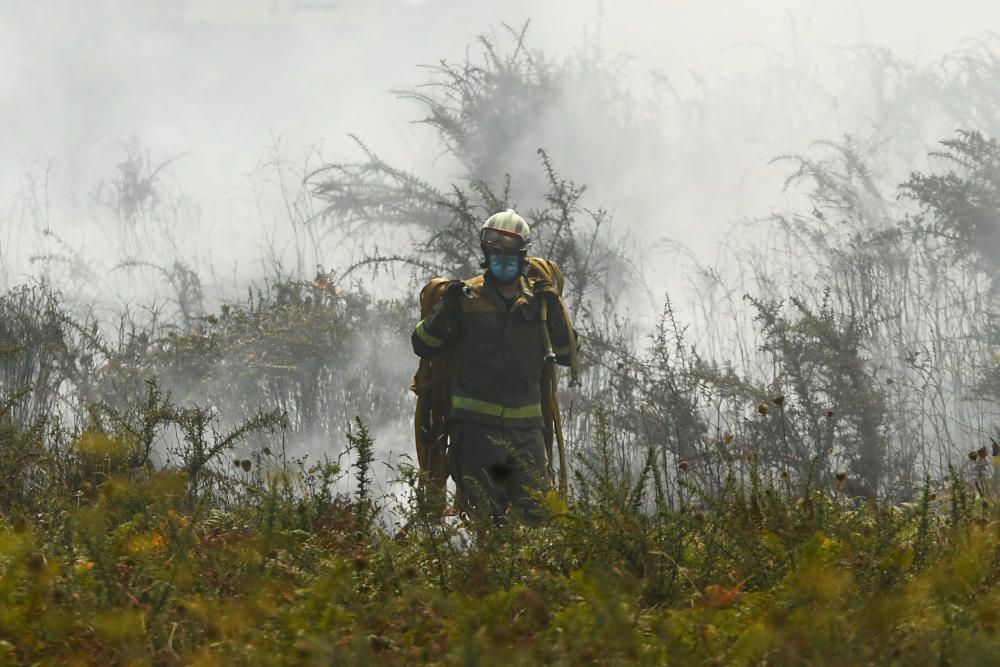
{"x": 505, "y": 268}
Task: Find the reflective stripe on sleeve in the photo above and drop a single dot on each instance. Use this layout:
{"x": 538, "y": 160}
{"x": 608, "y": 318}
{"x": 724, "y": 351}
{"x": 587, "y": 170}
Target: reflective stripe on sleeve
{"x": 495, "y": 409}
{"x": 432, "y": 341}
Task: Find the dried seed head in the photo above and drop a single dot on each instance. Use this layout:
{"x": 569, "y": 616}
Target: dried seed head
{"x": 683, "y": 465}
{"x": 779, "y": 400}
{"x": 762, "y": 408}
{"x": 727, "y": 438}
{"x": 841, "y": 476}
{"x": 266, "y": 451}
{"x": 829, "y": 414}
{"x": 973, "y": 455}
{"x": 245, "y": 464}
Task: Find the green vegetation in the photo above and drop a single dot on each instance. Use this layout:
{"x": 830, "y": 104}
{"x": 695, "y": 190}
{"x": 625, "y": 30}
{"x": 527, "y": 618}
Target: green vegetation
{"x": 114, "y": 564}
{"x": 786, "y": 478}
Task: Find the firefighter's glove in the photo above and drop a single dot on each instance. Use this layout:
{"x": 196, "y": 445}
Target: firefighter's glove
{"x": 453, "y": 295}
{"x": 541, "y": 285}
{"x": 551, "y": 299}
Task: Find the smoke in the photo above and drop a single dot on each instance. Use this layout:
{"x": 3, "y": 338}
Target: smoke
{"x": 146, "y": 142}
{"x": 217, "y": 85}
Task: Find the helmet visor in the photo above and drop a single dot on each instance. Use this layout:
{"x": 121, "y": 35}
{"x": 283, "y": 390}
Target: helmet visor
{"x": 502, "y": 240}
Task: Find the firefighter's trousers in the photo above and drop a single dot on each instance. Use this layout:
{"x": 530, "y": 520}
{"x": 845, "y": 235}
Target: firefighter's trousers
{"x": 496, "y": 467}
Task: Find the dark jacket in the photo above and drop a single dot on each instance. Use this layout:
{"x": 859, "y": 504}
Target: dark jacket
{"x": 498, "y": 351}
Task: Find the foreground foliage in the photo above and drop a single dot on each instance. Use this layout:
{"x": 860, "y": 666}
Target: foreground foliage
{"x": 131, "y": 568}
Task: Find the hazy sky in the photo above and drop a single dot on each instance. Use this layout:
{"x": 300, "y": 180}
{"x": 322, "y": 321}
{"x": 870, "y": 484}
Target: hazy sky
{"x": 186, "y": 72}
{"x": 216, "y": 76}
{"x": 215, "y": 80}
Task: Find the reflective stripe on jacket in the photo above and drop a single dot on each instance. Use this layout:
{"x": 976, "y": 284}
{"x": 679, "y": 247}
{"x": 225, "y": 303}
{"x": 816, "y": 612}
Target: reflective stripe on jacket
{"x": 498, "y": 353}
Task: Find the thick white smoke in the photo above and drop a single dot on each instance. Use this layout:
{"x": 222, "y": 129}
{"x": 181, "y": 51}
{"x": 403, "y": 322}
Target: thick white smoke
{"x": 236, "y": 100}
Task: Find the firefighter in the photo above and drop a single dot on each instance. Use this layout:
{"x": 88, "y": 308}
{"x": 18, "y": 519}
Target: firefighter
{"x": 493, "y": 327}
